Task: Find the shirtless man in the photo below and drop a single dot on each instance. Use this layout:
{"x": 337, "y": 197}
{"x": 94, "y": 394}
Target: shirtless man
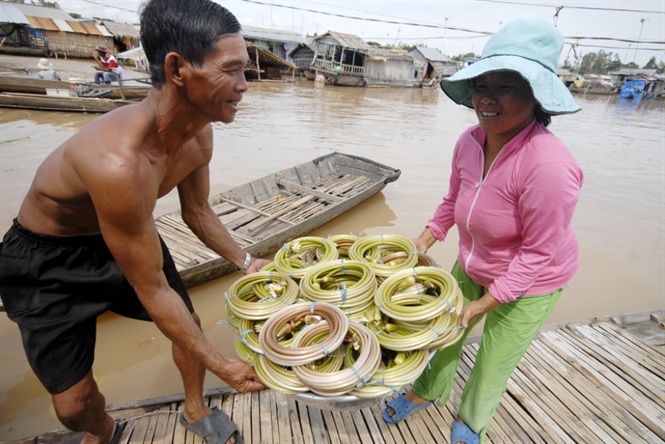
{"x": 84, "y": 241}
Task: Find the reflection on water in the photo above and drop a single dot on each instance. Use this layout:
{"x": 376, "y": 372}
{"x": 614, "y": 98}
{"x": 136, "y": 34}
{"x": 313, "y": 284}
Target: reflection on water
{"x": 619, "y": 219}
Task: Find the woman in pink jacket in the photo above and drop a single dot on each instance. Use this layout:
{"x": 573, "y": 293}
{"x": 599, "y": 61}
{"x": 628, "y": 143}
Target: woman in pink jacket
{"x": 512, "y": 194}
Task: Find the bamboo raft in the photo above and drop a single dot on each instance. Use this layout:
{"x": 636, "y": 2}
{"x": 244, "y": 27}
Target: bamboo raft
{"x": 264, "y": 214}
{"x": 598, "y": 382}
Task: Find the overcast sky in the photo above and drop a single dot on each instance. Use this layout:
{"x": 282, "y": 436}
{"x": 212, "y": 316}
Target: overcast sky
{"x": 635, "y": 30}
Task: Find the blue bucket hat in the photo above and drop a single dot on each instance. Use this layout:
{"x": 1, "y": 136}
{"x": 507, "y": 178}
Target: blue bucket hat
{"x": 532, "y": 49}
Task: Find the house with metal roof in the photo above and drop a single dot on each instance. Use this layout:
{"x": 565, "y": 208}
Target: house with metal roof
{"x": 36, "y": 30}
{"x": 391, "y": 67}
{"x": 303, "y": 56}
{"x": 346, "y": 59}
{"x": 654, "y": 79}
{"x": 276, "y": 41}
{"x": 435, "y": 64}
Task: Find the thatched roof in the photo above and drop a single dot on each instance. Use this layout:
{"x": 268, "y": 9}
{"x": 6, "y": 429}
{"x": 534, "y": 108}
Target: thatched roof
{"x": 122, "y": 29}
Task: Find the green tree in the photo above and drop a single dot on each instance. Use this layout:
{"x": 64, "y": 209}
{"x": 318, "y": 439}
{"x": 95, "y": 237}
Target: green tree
{"x": 46, "y": 4}
{"x": 651, "y": 64}
{"x": 599, "y": 63}
{"x": 460, "y": 57}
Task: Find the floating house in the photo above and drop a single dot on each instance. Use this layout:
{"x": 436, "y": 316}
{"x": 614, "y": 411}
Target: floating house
{"x": 278, "y": 42}
{"x": 436, "y": 65}
{"x": 347, "y": 60}
{"x": 391, "y": 67}
{"x": 264, "y": 65}
{"x": 654, "y": 80}
{"x": 303, "y": 56}
{"x": 39, "y": 31}
{"x": 340, "y": 58}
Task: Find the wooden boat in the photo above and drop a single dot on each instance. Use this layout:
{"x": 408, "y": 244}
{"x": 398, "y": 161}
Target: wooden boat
{"x": 60, "y": 103}
{"x": 589, "y": 381}
{"x": 264, "y": 214}
{"x": 28, "y": 85}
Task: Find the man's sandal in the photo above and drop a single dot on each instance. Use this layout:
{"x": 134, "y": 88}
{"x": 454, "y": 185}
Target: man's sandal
{"x": 117, "y": 433}
{"x": 402, "y": 408}
{"x": 463, "y": 433}
{"x": 216, "y": 428}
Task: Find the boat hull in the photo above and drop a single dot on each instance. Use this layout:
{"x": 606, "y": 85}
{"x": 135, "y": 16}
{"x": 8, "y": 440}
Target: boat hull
{"x": 266, "y": 213}
{"x": 15, "y": 84}
{"x": 60, "y": 103}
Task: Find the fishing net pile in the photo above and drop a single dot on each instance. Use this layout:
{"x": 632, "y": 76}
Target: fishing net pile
{"x": 344, "y": 315}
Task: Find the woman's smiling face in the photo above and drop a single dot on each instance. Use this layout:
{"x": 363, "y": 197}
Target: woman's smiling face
{"x": 503, "y": 102}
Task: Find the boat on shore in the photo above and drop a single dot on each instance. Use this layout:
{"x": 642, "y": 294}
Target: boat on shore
{"x": 264, "y": 214}
{"x": 595, "y": 91}
{"x": 73, "y": 87}
{"x": 590, "y": 381}
{"x": 61, "y": 102}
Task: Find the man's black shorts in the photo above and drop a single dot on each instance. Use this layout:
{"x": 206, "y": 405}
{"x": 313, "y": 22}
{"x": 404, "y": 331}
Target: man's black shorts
{"x": 54, "y": 288}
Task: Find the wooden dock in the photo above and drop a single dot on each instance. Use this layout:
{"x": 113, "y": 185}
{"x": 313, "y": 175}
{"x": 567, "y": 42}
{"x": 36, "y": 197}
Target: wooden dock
{"x": 598, "y": 382}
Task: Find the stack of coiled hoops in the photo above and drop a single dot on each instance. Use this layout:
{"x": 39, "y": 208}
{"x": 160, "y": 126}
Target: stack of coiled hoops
{"x": 344, "y": 315}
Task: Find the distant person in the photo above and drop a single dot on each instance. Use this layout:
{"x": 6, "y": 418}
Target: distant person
{"x": 85, "y": 242}
{"x": 107, "y": 66}
{"x": 46, "y": 70}
{"x": 512, "y": 194}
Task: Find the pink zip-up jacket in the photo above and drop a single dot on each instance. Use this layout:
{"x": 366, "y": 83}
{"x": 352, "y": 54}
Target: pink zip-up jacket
{"x": 516, "y": 236}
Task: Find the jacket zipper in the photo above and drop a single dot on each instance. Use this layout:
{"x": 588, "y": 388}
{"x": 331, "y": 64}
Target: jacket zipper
{"x": 473, "y": 204}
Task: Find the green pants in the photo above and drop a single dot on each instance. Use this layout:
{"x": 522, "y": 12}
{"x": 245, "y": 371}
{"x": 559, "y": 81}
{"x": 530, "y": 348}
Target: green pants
{"x": 509, "y": 330}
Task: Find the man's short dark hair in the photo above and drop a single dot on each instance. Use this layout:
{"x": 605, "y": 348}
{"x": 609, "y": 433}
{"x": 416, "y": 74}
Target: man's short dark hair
{"x": 188, "y": 27}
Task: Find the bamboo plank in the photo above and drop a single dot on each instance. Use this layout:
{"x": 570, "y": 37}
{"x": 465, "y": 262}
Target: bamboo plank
{"x": 331, "y": 425}
{"x": 375, "y": 433}
{"x": 283, "y": 418}
{"x": 242, "y": 414}
{"x": 317, "y": 421}
{"x": 307, "y": 190}
{"x": 646, "y": 355}
{"x": 623, "y": 375}
{"x": 589, "y": 393}
{"x": 267, "y": 413}
{"x": 566, "y": 393}
{"x": 350, "y": 427}
{"x": 390, "y": 434}
{"x": 433, "y": 423}
{"x": 611, "y": 385}
{"x": 138, "y": 432}
{"x": 153, "y": 420}
{"x": 297, "y": 430}
{"x": 640, "y": 369}
{"x": 161, "y": 424}
{"x": 256, "y": 417}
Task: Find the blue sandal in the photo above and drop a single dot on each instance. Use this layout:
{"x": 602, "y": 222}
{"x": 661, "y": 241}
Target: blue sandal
{"x": 402, "y": 408}
{"x": 462, "y": 433}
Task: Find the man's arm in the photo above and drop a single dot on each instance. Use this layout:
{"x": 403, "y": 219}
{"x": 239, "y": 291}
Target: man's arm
{"x": 204, "y": 223}
{"x": 125, "y": 218}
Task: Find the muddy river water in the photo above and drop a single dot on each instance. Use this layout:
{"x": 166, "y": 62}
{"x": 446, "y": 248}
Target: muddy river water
{"x": 620, "y": 218}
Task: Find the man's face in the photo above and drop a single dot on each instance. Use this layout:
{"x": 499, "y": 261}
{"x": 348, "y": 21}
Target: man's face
{"x": 217, "y": 87}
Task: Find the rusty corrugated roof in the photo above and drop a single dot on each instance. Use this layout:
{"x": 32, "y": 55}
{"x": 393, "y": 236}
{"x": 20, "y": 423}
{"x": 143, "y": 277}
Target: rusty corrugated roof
{"x": 42, "y": 23}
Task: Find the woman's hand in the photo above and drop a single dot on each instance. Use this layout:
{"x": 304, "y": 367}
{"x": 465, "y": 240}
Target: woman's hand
{"x": 477, "y": 308}
{"x": 424, "y": 241}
